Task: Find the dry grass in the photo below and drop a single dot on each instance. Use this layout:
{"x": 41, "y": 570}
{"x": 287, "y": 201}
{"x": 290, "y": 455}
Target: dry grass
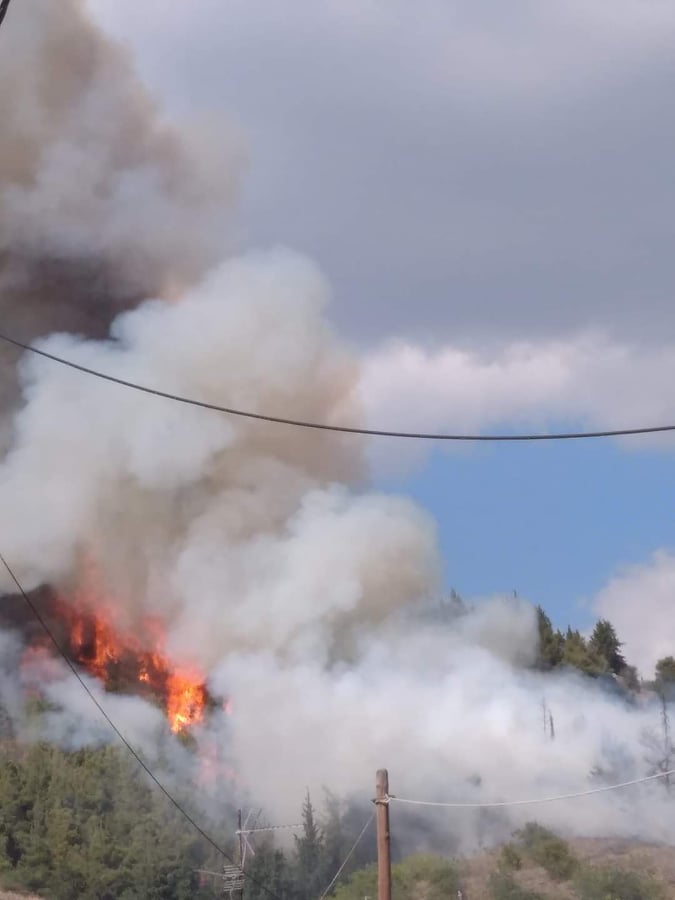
{"x": 645, "y": 859}
{"x": 12, "y": 895}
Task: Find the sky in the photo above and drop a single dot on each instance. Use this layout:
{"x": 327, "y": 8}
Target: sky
{"x": 488, "y": 190}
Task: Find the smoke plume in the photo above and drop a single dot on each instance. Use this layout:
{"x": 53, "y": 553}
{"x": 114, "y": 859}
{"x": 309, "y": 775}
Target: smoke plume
{"x": 102, "y": 202}
{"x": 306, "y": 598}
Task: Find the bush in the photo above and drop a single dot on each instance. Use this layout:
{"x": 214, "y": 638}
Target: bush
{"x": 616, "y": 884}
{"x": 504, "y": 887}
{"x": 438, "y": 877}
{"x": 510, "y": 858}
{"x": 549, "y": 851}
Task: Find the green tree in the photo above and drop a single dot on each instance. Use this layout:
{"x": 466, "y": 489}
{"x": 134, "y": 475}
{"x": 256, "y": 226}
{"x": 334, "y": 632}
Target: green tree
{"x": 578, "y": 655}
{"x": 551, "y": 642}
{"x": 86, "y": 826}
{"x": 605, "y": 645}
{"x": 309, "y": 850}
{"x": 269, "y": 870}
{"x": 334, "y": 844}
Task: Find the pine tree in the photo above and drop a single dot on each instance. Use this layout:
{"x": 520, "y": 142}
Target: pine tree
{"x": 309, "y": 848}
{"x": 578, "y": 655}
{"x": 269, "y": 869}
{"x": 551, "y": 643}
{"x": 334, "y": 848}
{"x": 605, "y": 644}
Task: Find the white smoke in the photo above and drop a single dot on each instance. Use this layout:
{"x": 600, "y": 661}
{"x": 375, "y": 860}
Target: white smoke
{"x": 300, "y": 592}
{"x": 640, "y": 602}
{"x": 453, "y": 722}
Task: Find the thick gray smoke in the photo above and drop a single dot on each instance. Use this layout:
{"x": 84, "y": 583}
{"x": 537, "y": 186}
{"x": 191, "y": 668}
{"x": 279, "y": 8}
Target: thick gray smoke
{"x": 295, "y": 588}
{"x": 102, "y": 202}
{"x": 300, "y": 593}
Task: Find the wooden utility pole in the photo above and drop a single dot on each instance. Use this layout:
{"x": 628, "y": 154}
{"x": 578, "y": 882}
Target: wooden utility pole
{"x": 383, "y": 835}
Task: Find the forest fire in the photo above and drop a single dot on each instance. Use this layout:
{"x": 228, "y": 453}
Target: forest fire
{"x": 130, "y": 661}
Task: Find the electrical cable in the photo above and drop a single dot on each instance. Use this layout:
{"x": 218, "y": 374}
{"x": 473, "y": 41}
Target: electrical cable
{"x": 340, "y": 429}
{"x": 126, "y": 743}
{"x": 4, "y": 6}
{"x": 502, "y": 803}
{"x": 347, "y": 857}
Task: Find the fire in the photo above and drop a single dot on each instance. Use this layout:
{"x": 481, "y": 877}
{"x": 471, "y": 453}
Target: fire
{"x": 185, "y": 699}
{"x": 128, "y": 660}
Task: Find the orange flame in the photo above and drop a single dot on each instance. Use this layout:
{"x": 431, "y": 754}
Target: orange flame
{"x": 121, "y": 659}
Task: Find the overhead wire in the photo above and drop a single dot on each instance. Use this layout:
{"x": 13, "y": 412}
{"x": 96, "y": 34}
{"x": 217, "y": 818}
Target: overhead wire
{"x": 531, "y": 801}
{"x": 348, "y": 856}
{"x": 340, "y": 429}
{"x": 4, "y": 6}
{"x": 139, "y": 759}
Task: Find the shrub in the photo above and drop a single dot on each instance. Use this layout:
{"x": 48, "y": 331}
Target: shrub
{"x": 548, "y": 851}
{"x": 438, "y": 876}
{"x": 510, "y": 858}
{"x": 504, "y": 887}
{"x": 616, "y": 884}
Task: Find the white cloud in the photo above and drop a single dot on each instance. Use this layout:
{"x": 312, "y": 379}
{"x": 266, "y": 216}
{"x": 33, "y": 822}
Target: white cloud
{"x": 587, "y": 379}
{"x": 640, "y": 603}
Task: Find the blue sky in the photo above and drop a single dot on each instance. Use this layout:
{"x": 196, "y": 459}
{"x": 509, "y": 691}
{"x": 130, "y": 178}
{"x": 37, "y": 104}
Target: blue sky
{"x": 553, "y": 521}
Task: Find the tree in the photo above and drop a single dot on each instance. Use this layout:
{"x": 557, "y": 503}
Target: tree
{"x": 86, "y": 826}
{"x": 605, "y": 644}
{"x": 551, "y": 643}
{"x": 334, "y": 845}
{"x": 579, "y": 655}
{"x": 268, "y": 870}
{"x": 665, "y": 671}
{"x": 309, "y": 854}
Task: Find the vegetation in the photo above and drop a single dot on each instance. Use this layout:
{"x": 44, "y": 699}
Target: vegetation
{"x": 319, "y": 850}
{"x": 510, "y": 858}
{"x": 548, "y": 851}
{"x": 599, "y": 655}
{"x": 504, "y": 887}
{"x": 615, "y": 884}
{"x": 605, "y": 646}
{"x": 665, "y": 672}
{"x": 436, "y": 877}
{"x": 86, "y": 825}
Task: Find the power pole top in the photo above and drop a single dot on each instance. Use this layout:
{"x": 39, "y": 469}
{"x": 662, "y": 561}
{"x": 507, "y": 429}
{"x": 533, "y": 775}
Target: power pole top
{"x": 383, "y": 835}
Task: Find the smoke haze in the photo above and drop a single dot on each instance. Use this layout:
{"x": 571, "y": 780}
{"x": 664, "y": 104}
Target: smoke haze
{"x": 307, "y": 598}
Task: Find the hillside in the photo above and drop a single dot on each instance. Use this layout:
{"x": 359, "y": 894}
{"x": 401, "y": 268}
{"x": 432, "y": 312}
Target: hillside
{"x": 647, "y": 860}
{"x": 655, "y": 866}
{"x": 535, "y": 865}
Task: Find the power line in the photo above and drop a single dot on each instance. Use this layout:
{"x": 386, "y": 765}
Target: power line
{"x": 532, "y": 801}
{"x": 4, "y": 6}
{"x": 340, "y": 429}
{"x": 347, "y": 857}
{"x": 126, "y": 743}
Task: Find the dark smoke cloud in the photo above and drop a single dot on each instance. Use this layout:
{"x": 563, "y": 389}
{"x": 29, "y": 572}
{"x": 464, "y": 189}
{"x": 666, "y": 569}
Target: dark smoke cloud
{"x": 102, "y": 202}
